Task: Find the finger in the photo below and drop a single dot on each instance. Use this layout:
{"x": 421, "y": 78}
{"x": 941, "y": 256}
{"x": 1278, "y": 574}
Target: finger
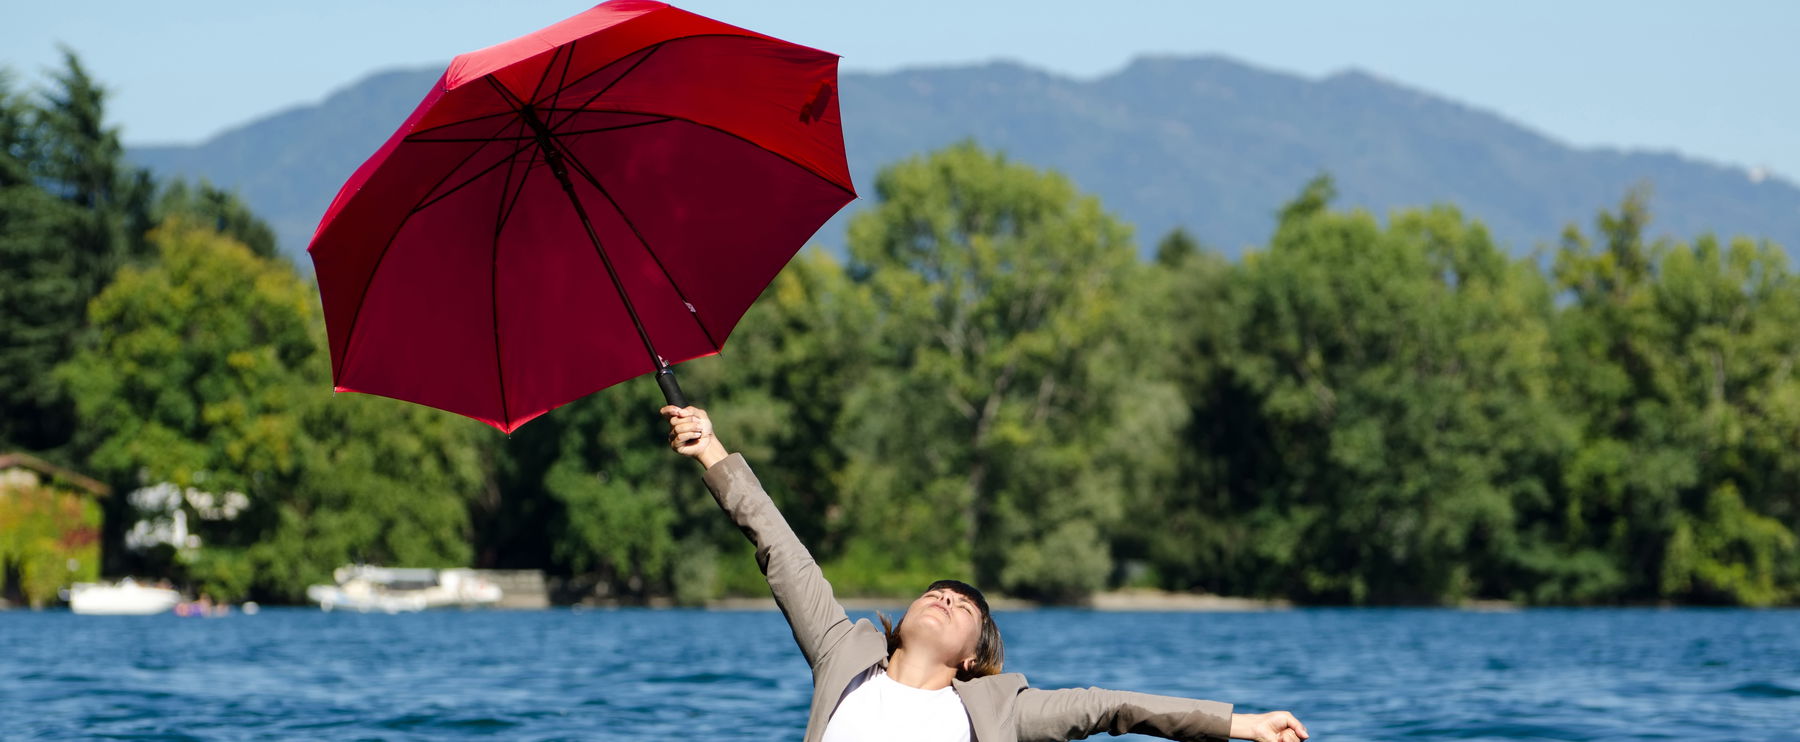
{"x": 669, "y": 411}
{"x": 1286, "y": 719}
{"x": 1288, "y": 735}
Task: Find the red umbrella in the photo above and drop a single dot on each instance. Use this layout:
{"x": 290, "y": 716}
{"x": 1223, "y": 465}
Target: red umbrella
{"x": 575, "y": 207}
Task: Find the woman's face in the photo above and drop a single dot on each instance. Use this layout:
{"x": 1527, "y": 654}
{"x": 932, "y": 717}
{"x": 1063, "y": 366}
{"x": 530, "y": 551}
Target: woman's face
{"x": 946, "y": 622}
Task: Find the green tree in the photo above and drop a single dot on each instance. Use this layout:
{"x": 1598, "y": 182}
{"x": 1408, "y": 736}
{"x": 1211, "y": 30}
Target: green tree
{"x": 71, "y": 213}
{"x": 220, "y": 210}
{"x": 1366, "y": 404}
{"x": 77, "y": 157}
{"x": 206, "y": 373}
{"x": 1679, "y": 359}
{"x": 991, "y": 428}
{"x": 1186, "y": 532}
{"x": 41, "y": 289}
{"x": 1175, "y": 247}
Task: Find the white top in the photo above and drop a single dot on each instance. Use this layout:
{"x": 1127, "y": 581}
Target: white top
{"x": 876, "y": 708}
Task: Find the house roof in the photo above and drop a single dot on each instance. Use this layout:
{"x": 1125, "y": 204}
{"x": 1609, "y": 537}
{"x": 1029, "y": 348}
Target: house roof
{"x": 18, "y": 460}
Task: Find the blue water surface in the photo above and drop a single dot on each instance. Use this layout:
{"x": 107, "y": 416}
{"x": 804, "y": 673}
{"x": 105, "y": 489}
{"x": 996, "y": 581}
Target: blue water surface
{"x": 677, "y": 674}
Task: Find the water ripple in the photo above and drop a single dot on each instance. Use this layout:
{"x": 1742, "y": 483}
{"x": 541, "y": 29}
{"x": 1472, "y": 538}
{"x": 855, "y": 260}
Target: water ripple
{"x": 1765, "y": 690}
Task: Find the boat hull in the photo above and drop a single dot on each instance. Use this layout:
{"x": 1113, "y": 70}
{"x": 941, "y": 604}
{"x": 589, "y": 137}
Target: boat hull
{"x": 124, "y": 599}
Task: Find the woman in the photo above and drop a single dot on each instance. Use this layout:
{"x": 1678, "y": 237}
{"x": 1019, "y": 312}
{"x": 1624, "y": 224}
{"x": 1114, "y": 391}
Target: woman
{"x": 935, "y": 676}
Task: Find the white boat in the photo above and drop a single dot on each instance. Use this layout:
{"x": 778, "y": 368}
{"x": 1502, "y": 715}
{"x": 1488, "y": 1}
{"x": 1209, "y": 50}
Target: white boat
{"x": 127, "y": 598}
{"x": 367, "y": 589}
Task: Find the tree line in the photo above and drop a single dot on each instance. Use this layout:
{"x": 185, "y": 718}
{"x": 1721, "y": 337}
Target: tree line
{"x": 988, "y": 383}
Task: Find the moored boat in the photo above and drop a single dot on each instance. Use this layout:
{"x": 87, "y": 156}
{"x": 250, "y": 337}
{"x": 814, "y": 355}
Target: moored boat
{"x": 367, "y": 589}
{"x": 126, "y": 598}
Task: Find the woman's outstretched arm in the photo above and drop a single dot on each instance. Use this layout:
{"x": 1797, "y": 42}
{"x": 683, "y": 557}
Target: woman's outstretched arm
{"x": 1078, "y": 713}
{"x": 800, "y": 589}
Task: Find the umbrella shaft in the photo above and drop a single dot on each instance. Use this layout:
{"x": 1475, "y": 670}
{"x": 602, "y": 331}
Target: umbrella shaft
{"x": 553, "y": 156}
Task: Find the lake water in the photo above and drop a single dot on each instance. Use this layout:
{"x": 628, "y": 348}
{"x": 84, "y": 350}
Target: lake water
{"x": 644, "y": 674}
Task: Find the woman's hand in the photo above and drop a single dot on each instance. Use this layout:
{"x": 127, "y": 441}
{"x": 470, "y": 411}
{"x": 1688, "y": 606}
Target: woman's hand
{"x": 691, "y": 434}
{"x": 1275, "y": 726}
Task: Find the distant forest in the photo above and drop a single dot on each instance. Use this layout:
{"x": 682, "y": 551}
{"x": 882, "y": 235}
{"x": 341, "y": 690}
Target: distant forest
{"x": 989, "y": 383}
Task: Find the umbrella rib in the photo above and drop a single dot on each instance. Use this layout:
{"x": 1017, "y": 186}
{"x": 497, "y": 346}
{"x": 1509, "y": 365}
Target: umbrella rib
{"x": 470, "y": 181}
{"x": 494, "y": 284}
{"x": 693, "y": 311}
{"x": 748, "y": 141}
{"x": 579, "y": 132}
{"x": 506, "y": 214}
{"x": 355, "y": 317}
{"x": 507, "y": 95}
{"x": 648, "y": 53}
{"x": 561, "y": 109}
{"x": 452, "y": 171}
{"x": 470, "y": 120}
{"x": 562, "y": 87}
{"x": 516, "y": 103}
{"x": 634, "y": 66}
{"x": 494, "y": 323}
{"x": 554, "y": 53}
{"x": 533, "y": 137}
{"x": 505, "y": 210}
{"x": 653, "y": 48}
{"x": 562, "y": 78}
{"x": 758, "y": 145}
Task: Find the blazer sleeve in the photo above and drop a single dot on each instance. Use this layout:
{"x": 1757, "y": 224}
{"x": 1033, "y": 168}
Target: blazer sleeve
{"x": 800, "y": 589}
{"x": 1077, "y": 713}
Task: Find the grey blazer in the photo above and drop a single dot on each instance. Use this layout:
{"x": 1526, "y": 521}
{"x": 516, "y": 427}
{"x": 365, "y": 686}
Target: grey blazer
{"x": 1002, "y": 708}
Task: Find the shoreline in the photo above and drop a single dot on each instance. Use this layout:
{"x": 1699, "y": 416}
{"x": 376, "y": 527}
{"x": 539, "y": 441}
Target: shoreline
{"x": 1133, "y": 600}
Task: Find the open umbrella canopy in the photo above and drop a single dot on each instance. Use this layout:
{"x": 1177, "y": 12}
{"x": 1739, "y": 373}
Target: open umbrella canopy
{"x": 576, "y": 207}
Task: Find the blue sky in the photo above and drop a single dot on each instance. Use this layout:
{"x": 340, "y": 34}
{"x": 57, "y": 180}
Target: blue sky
{"x": 1714, "y": 81}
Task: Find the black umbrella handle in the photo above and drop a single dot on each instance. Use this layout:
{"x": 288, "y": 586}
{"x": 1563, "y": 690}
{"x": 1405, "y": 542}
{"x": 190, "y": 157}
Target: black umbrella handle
{"x": 665, "y": 378}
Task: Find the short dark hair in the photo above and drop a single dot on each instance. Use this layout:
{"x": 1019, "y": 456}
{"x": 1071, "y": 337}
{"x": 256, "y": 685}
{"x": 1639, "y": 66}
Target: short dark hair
{"x": 990, "y": 652}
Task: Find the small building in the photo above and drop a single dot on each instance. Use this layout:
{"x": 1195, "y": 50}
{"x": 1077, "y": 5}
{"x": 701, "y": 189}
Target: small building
{"x": 50, "y": 520}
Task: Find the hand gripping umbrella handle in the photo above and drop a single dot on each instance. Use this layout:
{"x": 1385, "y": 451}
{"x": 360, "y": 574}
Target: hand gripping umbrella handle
{"x": 665, "y": 378}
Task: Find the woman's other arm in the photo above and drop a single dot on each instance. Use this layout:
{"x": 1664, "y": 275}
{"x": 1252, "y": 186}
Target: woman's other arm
{"x": 1077, "y": 713}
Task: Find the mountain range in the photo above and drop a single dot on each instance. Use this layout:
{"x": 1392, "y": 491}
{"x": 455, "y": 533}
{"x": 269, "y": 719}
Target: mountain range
{"x": 1207, "y": 143}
